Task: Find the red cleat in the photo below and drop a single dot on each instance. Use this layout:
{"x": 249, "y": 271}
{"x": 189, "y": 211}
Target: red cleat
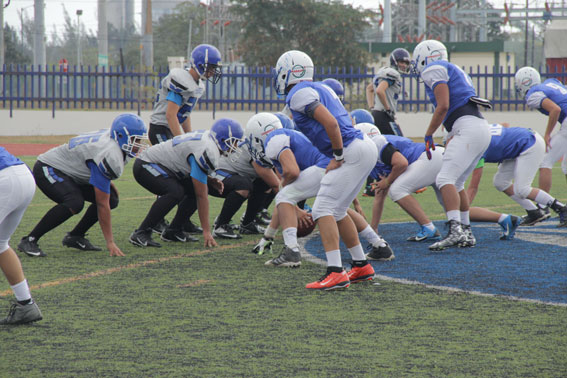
{"x": 330, "y": 281}
{"x": 361, "y": 273}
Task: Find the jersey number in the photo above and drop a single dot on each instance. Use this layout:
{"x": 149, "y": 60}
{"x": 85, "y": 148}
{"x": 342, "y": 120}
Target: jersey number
{"x": 495, "y": 129}
{"x": 88, "y": 138}
{"x": 194, "y": 135}
{"x": 559, "y": 88}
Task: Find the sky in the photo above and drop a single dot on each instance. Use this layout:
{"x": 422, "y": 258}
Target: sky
{"x": 54, "y": 11}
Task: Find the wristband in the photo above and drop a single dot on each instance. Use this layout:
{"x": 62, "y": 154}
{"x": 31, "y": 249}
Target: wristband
{"x": 338, "y": 154}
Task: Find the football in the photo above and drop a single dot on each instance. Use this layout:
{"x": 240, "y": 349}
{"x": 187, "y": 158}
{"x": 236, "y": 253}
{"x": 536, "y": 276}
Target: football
{"x": 305, "y": 230}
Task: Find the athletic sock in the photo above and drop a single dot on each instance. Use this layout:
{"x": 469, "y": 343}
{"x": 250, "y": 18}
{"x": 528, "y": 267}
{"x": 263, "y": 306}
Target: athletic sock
{"x": 502, "y": 217}
{"x": 334, "y": 258}
{"x": 465, "y": 218}
{"x": 270, "y": 233}
{"x": 429, "y": 226}
{"x": 372, "y": 237}
{"x": 524, "y": 202}
{"x": 22, "y": 291}
{"x": 290, "y": 238}
{"x": 454, "y": 215}
{"x": 544, "y": 198}
{"x": 357, "y": 253}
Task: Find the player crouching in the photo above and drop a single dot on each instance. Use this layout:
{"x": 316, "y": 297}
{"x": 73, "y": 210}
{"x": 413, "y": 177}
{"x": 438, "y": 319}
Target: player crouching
{"x": 176, "y": 170}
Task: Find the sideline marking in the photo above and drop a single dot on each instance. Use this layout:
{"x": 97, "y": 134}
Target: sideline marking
{"x": 316, "y": 260}
{"x": 105, "y": 272}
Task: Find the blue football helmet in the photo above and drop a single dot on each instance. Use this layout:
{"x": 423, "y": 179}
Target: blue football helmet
{"x": 227, "y": 134}
{"x": 287, "y": 123}
{"x": 361, "y": 116}
{"x": 400, "y": 55}
{"x": 130, "y": 132}
{"x": 336, "y": 86}
{"x": 206, "y": 60}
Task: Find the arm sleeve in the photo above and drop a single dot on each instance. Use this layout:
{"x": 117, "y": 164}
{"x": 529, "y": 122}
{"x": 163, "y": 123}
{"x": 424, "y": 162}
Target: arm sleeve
{"x": 98, "y": 179}
{"x": 387, "y": 153}
{"x": 196, "y": 171}
{"x": 174, "y": 97}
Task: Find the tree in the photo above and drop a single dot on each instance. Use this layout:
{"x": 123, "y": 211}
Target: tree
{"x": 327, "y": 31}
{"x": 15, "y": 52}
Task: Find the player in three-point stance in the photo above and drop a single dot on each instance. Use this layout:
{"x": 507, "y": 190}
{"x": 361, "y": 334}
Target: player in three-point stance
{"x": 17, "y": 188}
{"x": 451, "y": 91}
{"x": 322, "y": 118}
{"x": 549, "y": 98}
{"x": 82, "y": 170}
{"x": 176, "y": 170}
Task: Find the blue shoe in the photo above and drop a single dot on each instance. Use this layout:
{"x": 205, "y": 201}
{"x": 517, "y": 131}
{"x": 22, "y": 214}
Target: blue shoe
{"x": 425, "y": 234}
{"x": 509, "y": 226}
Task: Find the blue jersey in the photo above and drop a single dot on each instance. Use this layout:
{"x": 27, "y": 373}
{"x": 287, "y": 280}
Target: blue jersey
{"x": 551, "y": 89}
{"x": 408, "y": 148}
{"x": 302, "y": 101}
{"x": 306, "y": 155}
{"x": 7, "y": 159}
{"x": 460, "y": 85}
{"x": 507, "y": 143}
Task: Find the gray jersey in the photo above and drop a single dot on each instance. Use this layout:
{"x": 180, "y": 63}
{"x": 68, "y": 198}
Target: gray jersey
{"x": 71, "y": 158}
{"x": 240, "y": 162}
{"x": 394, "y": 90}
{"x": 181, "y": 82}
{"x": 174, "y": 154}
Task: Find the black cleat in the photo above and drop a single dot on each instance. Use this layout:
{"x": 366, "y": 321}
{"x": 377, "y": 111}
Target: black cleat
{"x": 79, "y": 242}
{"x": 225, "y": 231}
{"x": 192, "y": 228}
{"x": 380, "y": 253}
{"x": 161, "y": 226}
{"x": 143, "y": 238}
{"x": 534, "y": 216}
{"x": 29, "y": 246}
{"x": 251, "y": 228}
{"x": 176, "y": 235}
{"x": 22, "y": 314}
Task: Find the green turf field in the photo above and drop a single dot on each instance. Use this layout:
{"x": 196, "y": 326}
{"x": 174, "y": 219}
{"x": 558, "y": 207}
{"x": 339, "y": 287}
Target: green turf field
{"x": 183, "y": 310}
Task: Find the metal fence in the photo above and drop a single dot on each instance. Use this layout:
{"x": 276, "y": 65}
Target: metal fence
{"x": 240, "y": 88}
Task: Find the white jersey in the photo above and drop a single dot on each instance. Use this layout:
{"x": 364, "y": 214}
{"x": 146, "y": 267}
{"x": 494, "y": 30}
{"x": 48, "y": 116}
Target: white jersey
{"x": 393, "y": 92}
{"x": 239, "y": 162}
{"x": 174, "y": 154}
{"x": 181, "y": 82}
{"x": 71, "y": 158}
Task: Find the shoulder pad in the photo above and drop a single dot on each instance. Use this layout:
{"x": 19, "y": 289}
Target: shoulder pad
{"x": 179, "y": 80}
{"x": 388, "y": 73}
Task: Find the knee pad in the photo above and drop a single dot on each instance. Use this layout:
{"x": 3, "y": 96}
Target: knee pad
{"x": 75, "y": 205}
{"x": 522, "y": 192}
{"x": 501, "y": 184}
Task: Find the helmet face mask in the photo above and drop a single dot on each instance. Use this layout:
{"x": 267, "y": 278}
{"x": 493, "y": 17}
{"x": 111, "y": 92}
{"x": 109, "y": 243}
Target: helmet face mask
{"x": 292, "y": 67}
{"x": 256, "y": 132}
{"x": 524, "y": 79}
{"x": 400, "y": 60}
{"x": 206, "y": 60}
{"x": 227, "y": 135}
{"x": 426, "y": 52}
{"x": 130, "y": 132}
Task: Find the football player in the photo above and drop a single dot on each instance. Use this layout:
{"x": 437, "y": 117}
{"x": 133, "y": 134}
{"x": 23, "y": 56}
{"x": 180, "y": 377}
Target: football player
{"x": 549, "y": 98}
{"x": 383, "y": 93}
{"x": 243, "y": 178}
{"x": 302, "y": 168}
{"x": 17, "y": 188}
{"x": 176, "y": 170}
{"x": 403, "y": 167}
{"x": 519, "y": 153}
{"x": 451, "y": 91}
{"x": 176, "y": 98}
{"x": 82, "y": 170}
{"x": 321, "y": 117}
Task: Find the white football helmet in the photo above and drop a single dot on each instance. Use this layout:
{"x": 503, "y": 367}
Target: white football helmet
{"x": 525, "y": 78}
{"x": 292, "y": 67}
{"x": 426, "y": 52}
{"x": 256, "y": 132}
{"x": 368, "y": 128}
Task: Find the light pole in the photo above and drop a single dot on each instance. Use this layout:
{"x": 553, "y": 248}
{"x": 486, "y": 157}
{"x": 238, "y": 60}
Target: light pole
{"x": 79, "y": 13}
